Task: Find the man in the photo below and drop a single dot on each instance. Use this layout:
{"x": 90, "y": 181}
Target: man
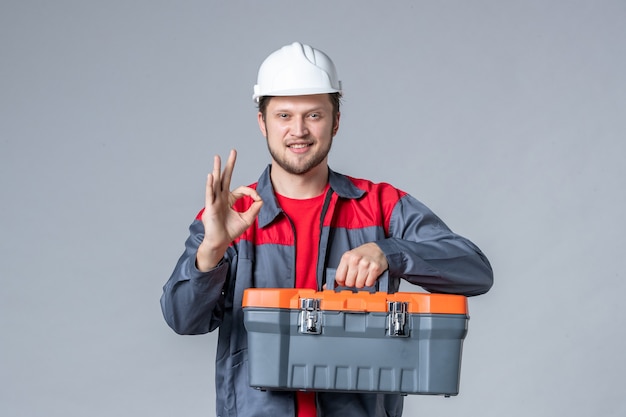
{"x": 304, "y": 225}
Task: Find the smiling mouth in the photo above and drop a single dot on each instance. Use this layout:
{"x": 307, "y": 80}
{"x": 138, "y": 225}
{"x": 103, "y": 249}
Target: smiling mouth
{"x": 299, "y": 145}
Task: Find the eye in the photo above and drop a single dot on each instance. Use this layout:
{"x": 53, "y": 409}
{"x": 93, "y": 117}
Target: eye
{"x": 315, "y": 115}
{"x": 282, "y": 115}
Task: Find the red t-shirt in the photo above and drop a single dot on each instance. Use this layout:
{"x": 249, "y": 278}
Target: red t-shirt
{"x": 305, "y": 215}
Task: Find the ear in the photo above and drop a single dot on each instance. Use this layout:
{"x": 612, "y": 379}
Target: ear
{"x": 336, "y": 123}
{"x": 262, "y": 124}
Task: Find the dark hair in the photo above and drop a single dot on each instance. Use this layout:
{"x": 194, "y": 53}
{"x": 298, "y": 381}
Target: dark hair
{"x": 335, "y": 99}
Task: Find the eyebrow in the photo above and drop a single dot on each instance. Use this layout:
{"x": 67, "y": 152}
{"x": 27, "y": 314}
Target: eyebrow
{"x": 289, "y": 110}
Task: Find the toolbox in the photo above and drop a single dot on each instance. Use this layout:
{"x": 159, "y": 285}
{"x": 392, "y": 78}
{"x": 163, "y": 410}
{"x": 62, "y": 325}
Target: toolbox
{"x": 403, "y": 343}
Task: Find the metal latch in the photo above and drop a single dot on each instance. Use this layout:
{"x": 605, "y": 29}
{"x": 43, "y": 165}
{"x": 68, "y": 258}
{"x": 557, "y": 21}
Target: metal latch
{"x": 396, "y": 318}
{"x": 310, "y": 316}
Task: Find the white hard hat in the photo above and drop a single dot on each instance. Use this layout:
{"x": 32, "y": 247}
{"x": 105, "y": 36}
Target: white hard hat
{"x": 296, "y": 70}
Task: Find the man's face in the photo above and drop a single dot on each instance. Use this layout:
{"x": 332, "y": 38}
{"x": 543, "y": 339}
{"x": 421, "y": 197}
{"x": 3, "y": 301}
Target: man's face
{"x": 299, "y": 131}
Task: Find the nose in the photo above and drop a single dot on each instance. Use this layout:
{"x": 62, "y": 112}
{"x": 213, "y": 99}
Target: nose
{"x": 299, "y": 128}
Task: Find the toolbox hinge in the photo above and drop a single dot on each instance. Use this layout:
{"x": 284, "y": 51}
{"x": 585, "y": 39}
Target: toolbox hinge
{"x": 310, "y": 316}
{"x": 396, "y": 318}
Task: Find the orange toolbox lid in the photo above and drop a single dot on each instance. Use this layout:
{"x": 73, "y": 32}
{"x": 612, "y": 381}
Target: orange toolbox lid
{"x": 362, "y": 301}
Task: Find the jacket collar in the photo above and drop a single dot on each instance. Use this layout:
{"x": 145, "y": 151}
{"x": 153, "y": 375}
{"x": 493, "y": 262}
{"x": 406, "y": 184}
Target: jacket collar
{"x": 339, "y": 184}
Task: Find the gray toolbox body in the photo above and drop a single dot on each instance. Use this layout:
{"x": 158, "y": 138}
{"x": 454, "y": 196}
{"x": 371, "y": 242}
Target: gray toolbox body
{"x": 403, "y": 343}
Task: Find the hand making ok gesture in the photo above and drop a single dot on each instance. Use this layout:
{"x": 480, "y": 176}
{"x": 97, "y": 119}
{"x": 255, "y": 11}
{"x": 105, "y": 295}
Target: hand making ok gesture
{"x": 222, "y": 224}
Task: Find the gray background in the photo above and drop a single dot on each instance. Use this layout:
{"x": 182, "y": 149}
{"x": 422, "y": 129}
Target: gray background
{"x": 507, "y": 118}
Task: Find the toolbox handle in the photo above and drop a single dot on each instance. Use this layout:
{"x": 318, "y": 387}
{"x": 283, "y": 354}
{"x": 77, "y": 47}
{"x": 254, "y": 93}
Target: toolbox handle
{"x": 383, "y": 282}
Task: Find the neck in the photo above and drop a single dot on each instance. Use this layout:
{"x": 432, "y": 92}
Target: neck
{"x": 299, "y": 186}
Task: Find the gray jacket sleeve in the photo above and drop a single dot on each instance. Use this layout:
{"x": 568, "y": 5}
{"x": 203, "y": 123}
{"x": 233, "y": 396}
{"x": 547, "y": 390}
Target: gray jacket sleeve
{"x": 193, "y": 301}
{"x": 425, "y": 252}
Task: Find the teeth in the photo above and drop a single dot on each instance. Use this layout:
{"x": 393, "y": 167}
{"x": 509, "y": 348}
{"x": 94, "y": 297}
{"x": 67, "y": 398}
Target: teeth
{"x": 299, "y": 146}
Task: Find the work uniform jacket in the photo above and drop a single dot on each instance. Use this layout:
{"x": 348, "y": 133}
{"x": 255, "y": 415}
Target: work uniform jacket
{"x": 418, "y": 246}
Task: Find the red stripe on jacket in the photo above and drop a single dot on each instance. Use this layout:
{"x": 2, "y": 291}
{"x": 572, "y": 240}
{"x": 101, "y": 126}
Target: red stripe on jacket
{"x": 373, "y": 209}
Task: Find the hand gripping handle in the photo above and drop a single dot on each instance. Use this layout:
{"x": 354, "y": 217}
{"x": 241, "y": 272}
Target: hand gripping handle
{"x": 383, "y": 283}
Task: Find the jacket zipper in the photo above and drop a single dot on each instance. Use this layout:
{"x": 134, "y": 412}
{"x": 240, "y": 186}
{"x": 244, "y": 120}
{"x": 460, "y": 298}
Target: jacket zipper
{"x": 321, "y": 257}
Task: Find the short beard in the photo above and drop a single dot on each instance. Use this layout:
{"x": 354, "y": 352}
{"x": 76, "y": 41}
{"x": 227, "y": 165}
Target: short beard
{"x": 301, "y": 169}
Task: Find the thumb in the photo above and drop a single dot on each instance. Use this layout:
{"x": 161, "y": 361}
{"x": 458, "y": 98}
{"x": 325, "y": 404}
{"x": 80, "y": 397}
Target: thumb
{"x": 253, "y": 211}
